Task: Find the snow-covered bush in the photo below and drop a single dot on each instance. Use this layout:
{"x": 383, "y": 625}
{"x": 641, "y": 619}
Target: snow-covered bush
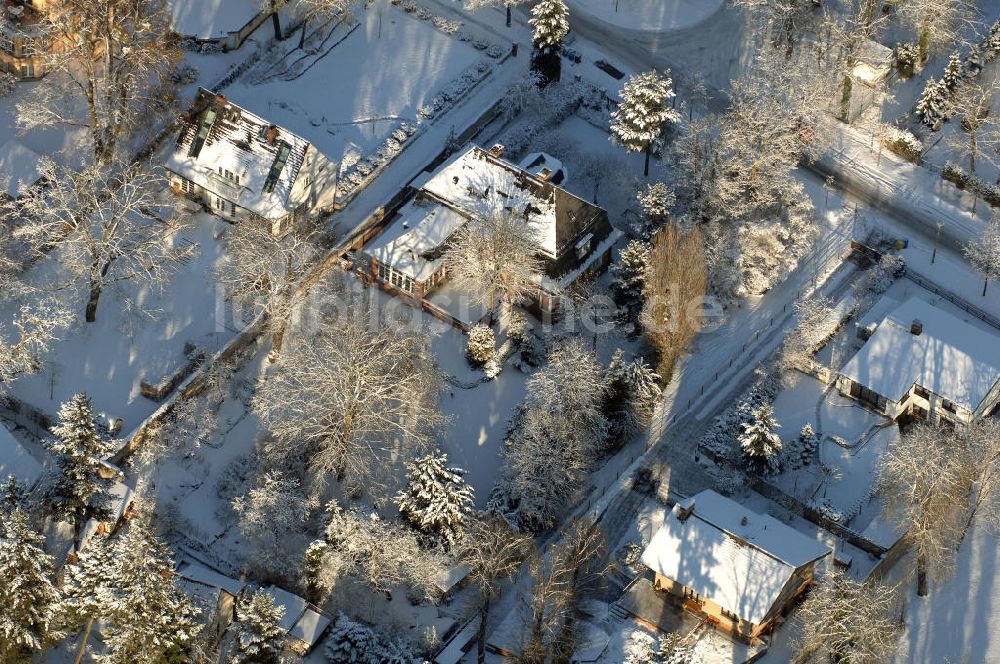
{"x": 351, "y": 642}
{"x": 803, "y": 449}
{"x": 721, "y": 439}
{"x": 482, "y": 350}
{"x": 878, "y": 279}
{"x": 902, "y": 142}
{"x": 905, "y": 59}
{"x": 731, "y": 483}
{"x": 630, "y": 397}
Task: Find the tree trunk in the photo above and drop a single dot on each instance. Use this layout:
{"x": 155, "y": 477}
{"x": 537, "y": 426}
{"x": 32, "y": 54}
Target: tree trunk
{"x": 921, "y": 574}
{"x": 484, "y": 613}
{"x": 95, "y": 296}
{"x": 508, "y": 14}
{"x": 276, "y": 22}
{"x": 83, "y": 642}
{"x": 302, "y": 36}
{"x": 645, "y": 168}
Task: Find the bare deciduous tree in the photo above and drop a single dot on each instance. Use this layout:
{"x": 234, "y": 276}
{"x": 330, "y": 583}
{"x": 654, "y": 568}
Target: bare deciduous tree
{"x": 108, "y": 69}
{"x": 493, "y": 553}
{"x": 984, "y": 252}
{"x": 270, "y": 513}
{"x": 848, "y": 621}
{"x": 972, "y": 104}
{"x": 100, "y": 220}
{"x": 494, "y": 255}
{"x": 508, "y": 5}
{"x": 325, "y": 11}
{"x": 938, "y": 24}
{"x": 263, "y": 270}
{"x": 674, "y": 292}
{"x": 357, "y": 398}
{"x": 980, "y": 473}
{"x": 923, "y": 492}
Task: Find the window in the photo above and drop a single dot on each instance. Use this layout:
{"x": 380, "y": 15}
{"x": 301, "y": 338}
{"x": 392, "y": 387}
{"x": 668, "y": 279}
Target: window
{"x": 948, "y": 406}
{"x": 187, "y": 186}
{"x": 732, "y": 616}
{"x": 390, "y": 276}
{"x": 921, "y": 392}
{"x": 232, "y": 208}
{"x": 220, "y": 204}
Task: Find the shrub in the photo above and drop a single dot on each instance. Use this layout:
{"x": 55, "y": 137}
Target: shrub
{"x": 482, "y": 349}
{"x": 905, "y": 59}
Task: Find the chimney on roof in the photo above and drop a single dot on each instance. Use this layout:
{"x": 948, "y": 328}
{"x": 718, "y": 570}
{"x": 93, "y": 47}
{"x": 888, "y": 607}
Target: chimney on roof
{"x": 916, "y": 327}
{"x": 497, "y": 150}
{"x": 744, "y": 521}
{"x": 685, "y": 509}
{"x": 272, "y": 134}
{"x": 221, "y": 100}
{"x": 545, "y": 175}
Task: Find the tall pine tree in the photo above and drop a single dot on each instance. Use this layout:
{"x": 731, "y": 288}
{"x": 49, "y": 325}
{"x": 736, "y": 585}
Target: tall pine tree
{"x": 259, "y": 639}
{"x": 952, "y": 72}
{"x": 632, "y": 393}
{"x": 79, "y": 491}
{"x": 629, "y": 275}
{"x": 29, "y": 601}
{"x": 549, "y": 20}
{"x": 87, "y": 585}
{"x": 644, "y": 112}
{"x": 437, "y": 499}
{"x": 761, "y": 445}
{"x": 150, "y": 619}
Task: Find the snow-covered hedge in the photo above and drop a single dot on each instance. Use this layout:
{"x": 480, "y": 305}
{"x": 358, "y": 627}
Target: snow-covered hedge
{"x": 902, "y": 142}
{"x": 962, "y": 179}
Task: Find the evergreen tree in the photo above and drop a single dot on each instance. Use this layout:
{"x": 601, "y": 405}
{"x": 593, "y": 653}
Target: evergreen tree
{"x": 761, "y": 446}
{"x": 149, "y": 617}
{"x": 548, "y": 18}
{"x": 312, "y": 568}
{"x": 952, "y": 72}
{"x": 352, "y": 642}
{"x": 259, "y": 639}
{"x": 930, "y": 106}
{"x": 11, "y": 495}
{"x": 79, "y": 492}
{"x": 28, "y": 599}
{"x": 629, "y": 276}
{"x": 656, "y": 200}
{"x": 437, "y": 500}
{"x": 632, "y": 392}
{"x": 482, "y": 350}
{"x": 87, "y": 584}
{"x": 644, "y": 112}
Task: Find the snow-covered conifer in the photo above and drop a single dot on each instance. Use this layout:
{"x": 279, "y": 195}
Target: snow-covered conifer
{"x": 352, "y": 642}
{"x": 644, "y": 112}
{"x": 437, "y": 500}
{"x": 259, "y": 638}
{"x": 930, "y": 106}
{"x": 28, "y": 599}
{"x": 952, "y": 71}
{"x": 78, "y": 492}
{"x": 150, "y": 619}
{"x": 548, "y": 18}
{"x": 87, "y": 586}
{"x": 632, "y": 393}
{"x": 312, "y": 568}
{"x": 11, "y": 494}
{"x": 657, "y": 199}
{"x": 629, "y": 275}
{"x": 761, "y": 445}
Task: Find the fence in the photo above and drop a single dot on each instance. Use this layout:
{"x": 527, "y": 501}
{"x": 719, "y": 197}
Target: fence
{"x": 926, "y": 284}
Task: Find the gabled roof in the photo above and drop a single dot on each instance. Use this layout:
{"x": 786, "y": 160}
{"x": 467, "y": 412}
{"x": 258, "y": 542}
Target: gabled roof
{"x": 737, "y": 558}
{"x": 479, "y": 183}
{"x": 412, "y": 244}
{"x": 949, "y": 357}
{"x": 264, "y": 158}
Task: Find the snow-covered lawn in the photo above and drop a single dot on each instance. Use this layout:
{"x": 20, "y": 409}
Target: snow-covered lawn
{"x": 649, "y": 15}
{"x": 204, "y": 19}
{"x": 109, "y": 358}
{"x": 364, "y": 81}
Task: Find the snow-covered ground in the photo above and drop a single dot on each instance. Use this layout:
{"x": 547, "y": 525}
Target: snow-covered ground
{"x": 648, "y": 15}
{"x": 358, "y": 85}
{"x": 139, "y": 334}
{"x": 205, "y": 19}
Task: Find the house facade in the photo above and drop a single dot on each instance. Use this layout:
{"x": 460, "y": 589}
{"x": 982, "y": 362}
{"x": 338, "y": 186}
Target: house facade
{"x": 921, "y": 362}
{"x": 22, "y": 39}
{"x": 572, "y": 236}
{"x": 241, "y": 167}
{"x": 737, "y": 569}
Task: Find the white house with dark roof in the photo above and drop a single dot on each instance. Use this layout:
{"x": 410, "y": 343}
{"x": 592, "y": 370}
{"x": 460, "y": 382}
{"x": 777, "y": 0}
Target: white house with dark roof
{"x": 923, "y": 362}
{"x": 242, "y": 167}
{"x": 739, "y": 569}
{"x": 572, "y": 235}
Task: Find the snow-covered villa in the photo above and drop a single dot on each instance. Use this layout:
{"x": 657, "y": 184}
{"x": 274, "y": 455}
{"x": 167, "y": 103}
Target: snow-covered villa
{"x": 242, "y": 167}
{"x": 21, "y": 40}
{"x": 573, "y": 236}
{"x": 738, "y": 569}
{"x": 925, "y": 363}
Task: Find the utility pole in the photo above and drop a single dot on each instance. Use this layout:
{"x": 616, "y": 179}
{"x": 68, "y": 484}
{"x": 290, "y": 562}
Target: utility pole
{"x": 937, "y": 238}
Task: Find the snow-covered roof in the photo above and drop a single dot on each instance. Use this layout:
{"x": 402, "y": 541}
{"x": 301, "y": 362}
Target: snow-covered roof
{"x": 19, "y": 168}
{"x": 411, "y": 243}
{"x": 479, "y": 183}
{"x": 737, "y": 558}
{"x": 221, "y": 138}
{"x": 293, "y": 604}
{"x": 15, "y": 460}
{"x": 950, "y": 357}
{"x": 120, "y": 497}
{"x": 205, "y": 19}
{"x": 309, "y": 627}
{"x": 198, "y": 573}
